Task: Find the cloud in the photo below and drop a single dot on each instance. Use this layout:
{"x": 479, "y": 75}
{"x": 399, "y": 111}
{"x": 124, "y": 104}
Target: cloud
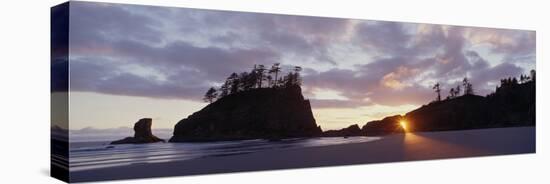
{"x": 96, "y": 23}
{"x": 178, "y": 70}
{"x": 98, "y": 77}
{"x": 161, "y": 52}
{"x": 409, "y": 60}
{"x": 307, "y": 38}
{"x": 394, "y": 79}
{"x": 505, "y": 41}
{"x": 329, "y": 103}
{"x": 384, "y": 37}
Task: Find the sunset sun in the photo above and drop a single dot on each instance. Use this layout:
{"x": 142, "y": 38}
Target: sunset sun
{"x": 403, "y": 125}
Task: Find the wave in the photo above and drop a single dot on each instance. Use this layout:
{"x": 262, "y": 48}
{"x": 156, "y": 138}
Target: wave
{"x": 94, "y": 155}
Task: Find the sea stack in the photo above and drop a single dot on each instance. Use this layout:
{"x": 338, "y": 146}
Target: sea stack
{"x": 264, "y": 113}
{"x": 142, "y": 134}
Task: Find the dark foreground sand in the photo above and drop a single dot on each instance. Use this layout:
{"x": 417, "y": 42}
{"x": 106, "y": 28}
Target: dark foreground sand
{"x": 405, "y": 147}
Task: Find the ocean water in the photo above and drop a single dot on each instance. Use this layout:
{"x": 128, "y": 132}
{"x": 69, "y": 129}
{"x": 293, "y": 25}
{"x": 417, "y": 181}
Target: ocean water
{"x": 85, "y": 155}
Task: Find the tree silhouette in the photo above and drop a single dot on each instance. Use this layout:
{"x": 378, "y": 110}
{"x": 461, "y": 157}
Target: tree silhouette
{"x": 522, "y": 78}
{"x": 510, "y": 82}
{"x": 269, "y": 81}
{"x": 451, "y": 93}
{"x": 246, "y": 81}
{"x": 287, "y": 80}
{"x": 513, "y": 82}
{"x": 297, "y": 79}
{"x": 465, "y": 83}
{"x": 293, "y": 78}
{"x": 438, "y": 91}
{"x": 210, "y": 95}
{"x": 260, "y": 74}
{"x": 234, "y": 83}
{"x": 275, "y": 69}
{"x": 454, "y": 92}
{"x": 224, "y": 89}
{"x": 468, "y": 88}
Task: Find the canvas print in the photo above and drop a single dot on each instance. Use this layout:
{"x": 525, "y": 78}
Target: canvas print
{"x": 146, "y": 91}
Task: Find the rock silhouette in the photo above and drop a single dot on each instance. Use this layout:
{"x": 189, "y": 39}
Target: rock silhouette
{"x": 508, "y": 107}
{"x": 382, "y": 127}
{"x": 142, "y": 134}
{"x": 352, "y": 130}
{"x": 263, "y": 113}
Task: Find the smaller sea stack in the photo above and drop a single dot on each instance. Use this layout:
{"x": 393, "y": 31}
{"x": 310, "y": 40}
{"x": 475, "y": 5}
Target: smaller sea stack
{"x": 142, "y": 134}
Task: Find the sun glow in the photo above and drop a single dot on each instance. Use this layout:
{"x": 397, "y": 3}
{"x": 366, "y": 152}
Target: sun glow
{"x": 403, "y": 125}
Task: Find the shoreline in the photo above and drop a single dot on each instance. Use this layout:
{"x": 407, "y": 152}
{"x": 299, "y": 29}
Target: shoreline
{"x": 391, "y": 148}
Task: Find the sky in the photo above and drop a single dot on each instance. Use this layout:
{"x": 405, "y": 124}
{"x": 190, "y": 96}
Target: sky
{"x": 128, "y": 61}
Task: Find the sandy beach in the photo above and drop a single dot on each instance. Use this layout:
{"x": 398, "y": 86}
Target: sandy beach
{"x": 393, "y": 148}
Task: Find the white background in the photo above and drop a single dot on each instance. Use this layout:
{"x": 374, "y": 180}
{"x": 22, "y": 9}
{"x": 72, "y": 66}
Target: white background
{"x": 24, "y": 91}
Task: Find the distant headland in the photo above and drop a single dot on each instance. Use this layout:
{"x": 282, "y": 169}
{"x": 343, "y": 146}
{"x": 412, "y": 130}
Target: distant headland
{"x": 511, "y": 104}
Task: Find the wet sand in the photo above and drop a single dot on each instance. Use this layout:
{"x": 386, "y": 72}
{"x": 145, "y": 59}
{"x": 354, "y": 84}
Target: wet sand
{"x": 393, "y": 148}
